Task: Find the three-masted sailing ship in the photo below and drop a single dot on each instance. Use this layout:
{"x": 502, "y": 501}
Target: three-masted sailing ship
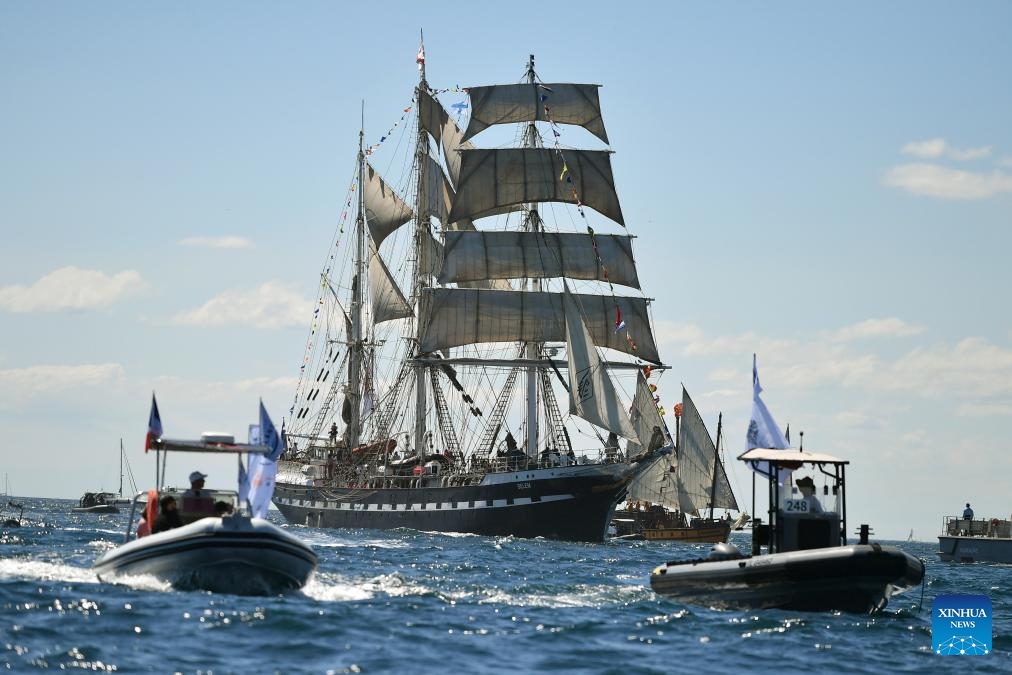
{"x": 677, "y": 497}
{"x": 430, "y": 390}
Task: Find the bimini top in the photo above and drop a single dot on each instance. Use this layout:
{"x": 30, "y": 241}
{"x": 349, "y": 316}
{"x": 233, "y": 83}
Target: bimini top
{"x": 789, "y": 456}
{"x": 176, "y": 445}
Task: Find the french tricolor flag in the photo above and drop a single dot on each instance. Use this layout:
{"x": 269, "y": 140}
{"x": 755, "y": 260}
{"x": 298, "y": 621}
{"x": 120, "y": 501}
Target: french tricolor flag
{"x": 154, "y": 425}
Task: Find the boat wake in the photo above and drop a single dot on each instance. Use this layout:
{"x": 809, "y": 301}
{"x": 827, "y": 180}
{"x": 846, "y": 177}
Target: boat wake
{"x": 35, "y": 570}
{"x": 337, "y": 588}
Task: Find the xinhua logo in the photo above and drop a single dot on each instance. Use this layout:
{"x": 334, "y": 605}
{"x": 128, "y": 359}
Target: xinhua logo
{"x": 961, "y": 625}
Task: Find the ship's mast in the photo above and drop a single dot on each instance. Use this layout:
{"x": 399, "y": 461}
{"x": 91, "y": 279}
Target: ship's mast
{"x": 421, "y": 233}
{"x": 531, "y": 224}
{"x": 716, "y": 463}
{"x": 355, "y": 348}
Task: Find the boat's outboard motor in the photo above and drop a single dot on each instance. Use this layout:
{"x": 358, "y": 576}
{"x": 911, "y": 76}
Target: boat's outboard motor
{"x": 724, "y": 551}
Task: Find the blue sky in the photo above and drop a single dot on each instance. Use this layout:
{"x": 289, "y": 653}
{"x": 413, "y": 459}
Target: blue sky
{"x": 827, "y": 186}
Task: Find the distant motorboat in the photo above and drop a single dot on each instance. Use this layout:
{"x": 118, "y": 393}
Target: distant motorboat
{"x": 96, "y": 502}
{"x": 967, "y": 540}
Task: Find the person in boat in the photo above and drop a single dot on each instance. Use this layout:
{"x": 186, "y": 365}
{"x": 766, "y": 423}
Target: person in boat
{"x": 143, "y": 527}
{"x": 222, "y": 509}
{"x": 967, "y": 512}
{"x": 196, "y": 485}
{"x": 807, "y": 487}
{"x": 168, "y": 515}
{"x": 611, "y": 447}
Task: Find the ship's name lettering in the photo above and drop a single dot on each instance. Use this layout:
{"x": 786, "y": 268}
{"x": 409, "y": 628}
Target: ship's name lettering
{"x": 523, "y": 486}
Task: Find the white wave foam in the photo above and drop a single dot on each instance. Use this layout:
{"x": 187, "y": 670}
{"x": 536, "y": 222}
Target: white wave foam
{"x": 35, "y": 570}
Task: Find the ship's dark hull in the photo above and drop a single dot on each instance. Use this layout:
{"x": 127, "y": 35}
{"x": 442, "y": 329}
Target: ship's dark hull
{"x": 568, "y": 503}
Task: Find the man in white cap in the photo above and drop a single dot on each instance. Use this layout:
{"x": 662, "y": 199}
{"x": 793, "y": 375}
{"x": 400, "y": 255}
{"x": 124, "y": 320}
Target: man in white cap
{"x": 196, "y": 485}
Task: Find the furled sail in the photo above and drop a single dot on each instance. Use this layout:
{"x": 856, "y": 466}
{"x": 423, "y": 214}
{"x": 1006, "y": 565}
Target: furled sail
{"x": 388, "y": 302}
{"x": 697, "y": 461}
{"x": 591, "y": 392}
{"x": 384, "y": 210}
{"x": 560, "y": 103}
{"x": 473, "y": 256}
{"x": 458, "y": 316}
{"x": 492, "y": 181}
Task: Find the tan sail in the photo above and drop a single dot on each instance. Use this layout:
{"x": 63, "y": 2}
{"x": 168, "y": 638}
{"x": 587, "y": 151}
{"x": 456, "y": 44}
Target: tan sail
{"x": 657, "y": 484}
{"x": 384, "y": 210}
{"x": 697, "y": 462}
{"x": 510, "y": 103}
{"x": 388, "y": 301}
{"x": 493, "y": 181}
{"x": 452, "y": 317}
{"x": 591, "y": 392}
{"x": 474, "y": 256}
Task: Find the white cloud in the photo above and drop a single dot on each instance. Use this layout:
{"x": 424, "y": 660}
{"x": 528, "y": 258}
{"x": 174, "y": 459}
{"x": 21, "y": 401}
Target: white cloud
{"x": 23, "y": 383}
{"x": 1005, "y": 161}
{"x": 929, "y": 149}
{"x": 873, "y": 328}
{"x": 858, "y": 420}
{"x": 966, "y": 154}
{"x": 972, "y": 370}
{"x": 71, "y": 288}
{"x": 283, "y": 385}
{"x": 272, "y": 305}
{"x": 218, "y": 242}
{"x": 1003, "y": 410}
{"x": 936, "y": 148}
{"x": 933, "y": 180}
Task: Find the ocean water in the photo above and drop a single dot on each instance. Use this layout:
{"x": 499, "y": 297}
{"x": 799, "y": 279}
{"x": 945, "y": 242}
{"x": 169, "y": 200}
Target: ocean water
{"x": 415, "y": 602}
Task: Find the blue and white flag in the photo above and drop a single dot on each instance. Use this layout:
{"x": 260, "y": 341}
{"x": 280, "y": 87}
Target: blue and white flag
{"x": 763, "y": 431}
{"x": 259, "y": 478}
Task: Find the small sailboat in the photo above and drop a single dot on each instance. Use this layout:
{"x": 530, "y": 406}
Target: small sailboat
{"x": 106, "y": 502}
{"x": 224, "y": 543}
{"x": 670, "y": 501}
{"x": 8, "y": 506}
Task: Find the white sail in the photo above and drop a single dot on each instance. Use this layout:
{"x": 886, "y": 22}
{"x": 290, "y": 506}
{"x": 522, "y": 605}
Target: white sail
{"x": 698, "y": 462}
{"x": 493, "y": 181}
{"x": 657, "y": 484}
{"x": 474, "y": 256}
{"x": 591, "y": 393}
{"x": 384, "y": 210}
{"x": 560, "y": 103}
{"x": 388, "y": 301}
{"x": 452, "y": 317}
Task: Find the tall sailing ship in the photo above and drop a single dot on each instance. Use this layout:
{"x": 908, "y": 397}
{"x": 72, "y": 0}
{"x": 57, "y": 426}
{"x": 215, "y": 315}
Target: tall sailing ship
{"x": 676, "y": 499}
{"x": 446, "y": 332}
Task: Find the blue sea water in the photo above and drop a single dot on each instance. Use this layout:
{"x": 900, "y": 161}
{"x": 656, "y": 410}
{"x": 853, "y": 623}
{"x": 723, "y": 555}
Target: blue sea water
{"x": 415, "y": 602}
